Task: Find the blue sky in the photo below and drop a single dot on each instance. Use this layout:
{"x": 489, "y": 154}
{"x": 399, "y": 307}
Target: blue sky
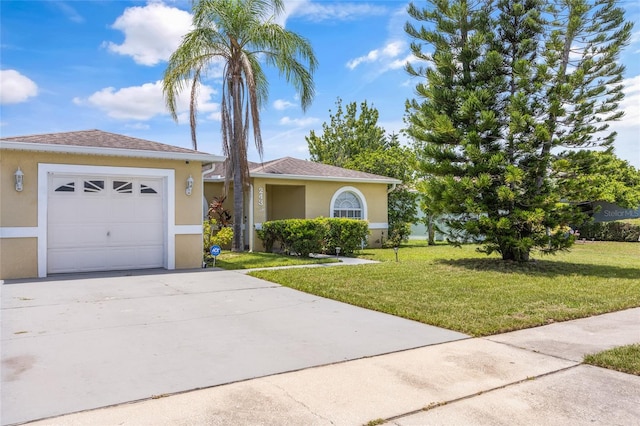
{"x": 97, "y": 64}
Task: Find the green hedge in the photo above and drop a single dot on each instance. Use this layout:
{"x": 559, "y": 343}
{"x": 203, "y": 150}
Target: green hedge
{"x": 321, "y": 235}
{"x": 611, "y": 231}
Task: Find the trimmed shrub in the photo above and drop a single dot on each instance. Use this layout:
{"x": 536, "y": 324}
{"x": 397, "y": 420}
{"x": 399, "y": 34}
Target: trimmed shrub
{"x": 302, "y": 237}
{"x": 611, "y": 231}
{"x": 322, "y": 235}
{"x": 348, "y": 234}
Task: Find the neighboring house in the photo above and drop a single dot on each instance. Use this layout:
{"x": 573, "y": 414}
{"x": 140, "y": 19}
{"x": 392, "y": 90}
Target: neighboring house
{"x": 288, "y": 188}
{"x": 95, "y": 201}
{"x": 419, "y": 229}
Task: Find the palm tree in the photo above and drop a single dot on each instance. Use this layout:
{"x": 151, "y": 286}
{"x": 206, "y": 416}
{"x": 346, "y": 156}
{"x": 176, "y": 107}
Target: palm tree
{"x": 243, "y": 35}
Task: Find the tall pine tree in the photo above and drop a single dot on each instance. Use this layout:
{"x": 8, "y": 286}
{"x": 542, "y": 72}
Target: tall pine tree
{"x": 507, "y": 84}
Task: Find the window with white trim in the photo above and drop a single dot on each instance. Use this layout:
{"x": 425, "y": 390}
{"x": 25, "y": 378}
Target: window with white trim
{"x": 347, "y": 205}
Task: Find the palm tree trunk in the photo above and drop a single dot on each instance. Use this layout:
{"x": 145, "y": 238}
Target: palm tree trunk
{"x": 238, "y": 187}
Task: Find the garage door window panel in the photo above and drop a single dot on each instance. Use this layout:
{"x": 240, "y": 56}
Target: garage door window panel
{"x": 94, "y": 186}
{"x": 123, "y": 187}
{"x": 147, "y": 190}
{"x": 67, "y": 187}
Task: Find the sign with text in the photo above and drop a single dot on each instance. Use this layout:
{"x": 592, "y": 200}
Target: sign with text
{"x": 607, "y": 212}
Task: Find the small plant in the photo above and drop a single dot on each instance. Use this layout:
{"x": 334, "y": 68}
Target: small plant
{"x": 398, "y": 234}
{"x": 213, "y": 235}
{"x": 218, "y": 212}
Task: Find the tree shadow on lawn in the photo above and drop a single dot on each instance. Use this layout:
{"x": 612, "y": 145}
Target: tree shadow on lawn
{"x": 548, "y": 268}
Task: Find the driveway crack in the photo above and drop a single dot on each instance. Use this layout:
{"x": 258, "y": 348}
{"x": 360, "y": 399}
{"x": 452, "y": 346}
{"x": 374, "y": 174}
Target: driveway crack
{"x": 302, "y": 404}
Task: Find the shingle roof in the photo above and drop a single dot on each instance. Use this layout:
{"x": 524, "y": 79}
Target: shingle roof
{"x": 96, "y": 138}
{"x": 289, "y": 167}
{"x": 98, "y": 142}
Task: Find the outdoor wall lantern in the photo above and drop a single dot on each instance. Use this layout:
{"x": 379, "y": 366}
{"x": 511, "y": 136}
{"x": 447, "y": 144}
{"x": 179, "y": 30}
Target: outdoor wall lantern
{"x": 189, "y": 185}
{"x": 19, "y": 177}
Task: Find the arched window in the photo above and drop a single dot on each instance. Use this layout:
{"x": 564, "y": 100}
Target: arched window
{"x": 349, "y": 203}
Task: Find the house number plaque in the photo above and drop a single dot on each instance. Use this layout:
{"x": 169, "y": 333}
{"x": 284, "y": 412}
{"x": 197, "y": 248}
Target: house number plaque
{"x": 261, "y": 196}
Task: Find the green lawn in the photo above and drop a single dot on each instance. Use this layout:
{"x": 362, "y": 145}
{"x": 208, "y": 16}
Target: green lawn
{"x": 460, "y": 289}
{"x": 623, "y": 358}
{"x": 230, "y": 260}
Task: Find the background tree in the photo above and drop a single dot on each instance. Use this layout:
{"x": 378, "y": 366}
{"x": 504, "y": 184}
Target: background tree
{"x": 347, "y": 135}
{"x": 242, "y": 34}
{"x": 431, "y": 207}
{"x": 507, "y": 84}
{"x": 354, "y": 140}
{"x": 585, "y": 177}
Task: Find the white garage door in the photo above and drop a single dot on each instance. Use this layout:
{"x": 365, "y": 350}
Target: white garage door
{"x": 98, "y": 223}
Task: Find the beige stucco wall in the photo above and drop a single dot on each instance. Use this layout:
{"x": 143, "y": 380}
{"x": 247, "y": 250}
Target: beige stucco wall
{"x": 188, "y": 251}
{"x": 318, "y": 196}
{"x": 285, "y": 201}
{"x": 20, "y": 209}
{"x": 18, "y": 258}
{"x": 316, "y": 199}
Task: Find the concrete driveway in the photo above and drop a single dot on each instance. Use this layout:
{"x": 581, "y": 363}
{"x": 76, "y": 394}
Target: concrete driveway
{"x": 87, "y": 341}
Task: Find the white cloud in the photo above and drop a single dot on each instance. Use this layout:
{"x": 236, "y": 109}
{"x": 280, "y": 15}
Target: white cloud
{"x": 338, "y": 11}
{"x": 631, "y": 103}
{"x": 15, "y": 87}
{"x": 215, "y": 116}
{"x": 152, "y": 33}
{"x": 388, "y": 52}
{"x": 628, "y": 128}
{"x": 635, "y": 37}
{"x": 69, "y": 11}
{"x": 147, "y": 101}
{"x": 281, "y": 104}
{"x": 400, "y": 63}
{"x": 138, "y": 126}
{"x": 298, "y": 122}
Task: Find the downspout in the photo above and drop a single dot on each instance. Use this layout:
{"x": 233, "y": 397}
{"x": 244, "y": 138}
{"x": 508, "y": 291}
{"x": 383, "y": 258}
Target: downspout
{"x": 250, "y": 229}
{"x": 393, "y": 187}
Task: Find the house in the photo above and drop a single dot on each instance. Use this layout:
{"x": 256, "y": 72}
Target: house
{"x": 95, "y": 201}
{"x": 289, "y": 188}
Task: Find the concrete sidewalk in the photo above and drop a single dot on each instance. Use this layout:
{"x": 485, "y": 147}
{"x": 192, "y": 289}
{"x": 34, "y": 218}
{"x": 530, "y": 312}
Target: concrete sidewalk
{"x": 342, "y": 261}
{"x": 531, "y": 376}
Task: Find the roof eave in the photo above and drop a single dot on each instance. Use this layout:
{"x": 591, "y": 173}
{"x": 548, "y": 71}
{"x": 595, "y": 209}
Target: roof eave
{"x": 113, "y": 152}
{"x": 316, "y": 178}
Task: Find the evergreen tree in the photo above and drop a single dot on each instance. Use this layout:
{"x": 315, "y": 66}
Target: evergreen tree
{"x": 506, "y": 85}
{"x": 348, "y": 134}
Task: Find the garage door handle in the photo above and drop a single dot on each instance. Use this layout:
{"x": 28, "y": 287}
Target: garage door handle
{"x": 108, "y": 233}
